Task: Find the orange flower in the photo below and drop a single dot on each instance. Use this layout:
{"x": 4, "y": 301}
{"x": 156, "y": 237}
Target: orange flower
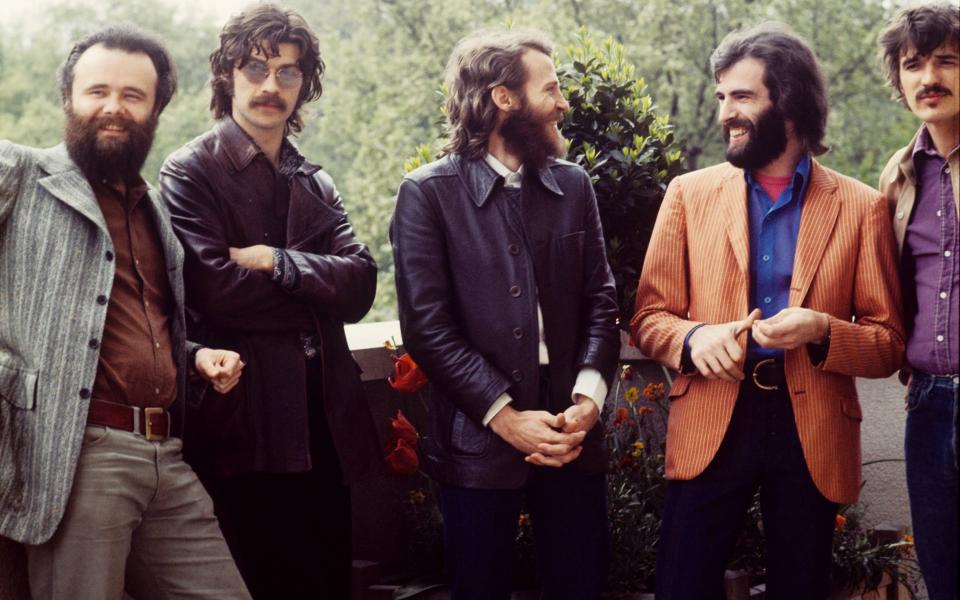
{"x": 407, "y": 375}
{"x": 623, "y": 415}
{"x": 653, "y": 392}
{"x": 402, "y": 459}
{"x": 523, "y": 519}
{"x": 840, "y": 522}
{"x": 907, "y": 539}
{"x": 402, "y": 429}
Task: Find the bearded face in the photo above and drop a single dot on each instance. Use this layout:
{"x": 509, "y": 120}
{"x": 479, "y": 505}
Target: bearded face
{"x": 532, "y": 136}
{"x": 109, "y": 147}
{"x": 766, "y": 139}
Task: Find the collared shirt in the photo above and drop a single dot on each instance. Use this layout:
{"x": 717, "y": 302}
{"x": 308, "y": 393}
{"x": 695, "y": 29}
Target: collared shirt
{"x": 136, "y": 364}
{"x": 774, "y": 227}
{"x": 589, "y": 381}
{"x": 930, "y": 255}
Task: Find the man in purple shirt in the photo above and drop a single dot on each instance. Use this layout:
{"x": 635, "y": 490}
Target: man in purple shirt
{"x": 921, "y": 52}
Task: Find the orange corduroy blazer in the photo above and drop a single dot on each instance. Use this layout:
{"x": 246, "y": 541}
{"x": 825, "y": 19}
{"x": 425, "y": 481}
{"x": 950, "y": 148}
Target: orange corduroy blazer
{"x": 697, "y": 271}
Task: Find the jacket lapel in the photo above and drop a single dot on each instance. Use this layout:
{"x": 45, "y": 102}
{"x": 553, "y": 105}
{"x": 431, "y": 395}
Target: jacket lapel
{"x": 733, "y": 205}
{"x": 820, "y": 210}
{"x": 66, "y": 183}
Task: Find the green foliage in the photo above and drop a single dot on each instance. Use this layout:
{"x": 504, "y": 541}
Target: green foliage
{"x": 386, "y": 57}
{"x": 617, "y": 135}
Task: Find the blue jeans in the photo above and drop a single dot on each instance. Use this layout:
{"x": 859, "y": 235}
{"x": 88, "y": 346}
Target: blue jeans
{"x": 931, "y": 455}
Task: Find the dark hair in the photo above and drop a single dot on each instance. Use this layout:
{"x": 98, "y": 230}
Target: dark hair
{"x": 791, "y": 74}
{"x": 129, "y": 39}
{"x": 265, "y": 26}
{"x": 479, "y": 63}
{"x": 925, "y": 28}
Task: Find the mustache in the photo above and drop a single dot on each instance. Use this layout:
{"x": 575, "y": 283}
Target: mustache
{"x": 275, "y": 101}
{"x": 932, "y": 89}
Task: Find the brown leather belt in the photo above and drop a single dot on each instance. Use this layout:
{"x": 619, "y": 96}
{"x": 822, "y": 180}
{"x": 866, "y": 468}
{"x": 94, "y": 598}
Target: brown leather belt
{"x": 152, "y": 422}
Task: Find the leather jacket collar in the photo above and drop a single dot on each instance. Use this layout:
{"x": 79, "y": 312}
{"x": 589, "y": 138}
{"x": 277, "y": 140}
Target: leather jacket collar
{"x": 241, "y": 149}
{"x": 479, "y": 178}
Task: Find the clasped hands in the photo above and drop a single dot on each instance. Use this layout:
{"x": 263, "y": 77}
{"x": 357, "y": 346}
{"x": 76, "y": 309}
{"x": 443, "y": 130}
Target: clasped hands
{"x": 716, "y": 354}
{"x": 546, "y": 439}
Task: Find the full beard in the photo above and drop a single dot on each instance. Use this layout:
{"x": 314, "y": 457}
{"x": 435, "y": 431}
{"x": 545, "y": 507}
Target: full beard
{"x": 535, "y": 140}
{"x": 766, "y": 140}
{"x": 111, "y": 160}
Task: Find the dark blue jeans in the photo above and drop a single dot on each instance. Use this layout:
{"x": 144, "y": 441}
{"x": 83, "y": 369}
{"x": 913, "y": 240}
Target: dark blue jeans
{"x": 568, "y": 511}
{"x": 931, "y": 453}
{"x": 703, "y": 516}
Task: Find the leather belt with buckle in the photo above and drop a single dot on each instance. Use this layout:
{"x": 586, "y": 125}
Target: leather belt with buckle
{"x": 152, "y": 422}
{"x": 767, "y": 375}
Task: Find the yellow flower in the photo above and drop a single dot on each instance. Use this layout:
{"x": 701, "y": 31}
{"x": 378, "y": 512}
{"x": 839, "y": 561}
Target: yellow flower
{"x": 638, "y": 444}
{"x": 636, "y": 453}
{"x": 632, "y": 394}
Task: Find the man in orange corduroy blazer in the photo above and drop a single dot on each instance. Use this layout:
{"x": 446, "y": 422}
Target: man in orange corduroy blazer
{"x": 770, "y": 283}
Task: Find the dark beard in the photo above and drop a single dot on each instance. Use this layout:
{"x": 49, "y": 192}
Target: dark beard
{"x": 111, "y": 160}
{"x": 533, "y": 140}
{"x": 766, "y": 140}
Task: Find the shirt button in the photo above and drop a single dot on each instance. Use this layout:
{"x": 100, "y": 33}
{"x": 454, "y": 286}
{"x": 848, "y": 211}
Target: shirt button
{"x": 517, "y": 375}
{"x": 84, "y": 393}
{"x": 899, "y": 214}
{"x": 943, "y": 294}
{"x": 766, "y": 257}
{"x": 939, "y": 338}
{"x": 266, "y": 235}
{"x": 939, "y": 213}
{"x": 108, "y": 256}
{"x": 767, "y": 300}
{"x": 136, "y": 261}
{"x": 93, "y": 343}
{"x": 146, "y": 303}
{"x": 947, "y": 253}
{"x": 101, "y": 299}
{"x": 156, "y": 391}
{"x": 517, "y": 333}
{"x": 515, "y": 291}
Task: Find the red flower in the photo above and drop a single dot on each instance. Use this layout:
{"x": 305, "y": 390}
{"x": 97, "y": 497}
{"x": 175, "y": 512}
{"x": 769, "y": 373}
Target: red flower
{"x": 402, "y": 429}
{"x": 623, "y": 415}
{"x": 841, "y": 521}
{"x": 407, "y": 376}
{"x": 402, "y": 459}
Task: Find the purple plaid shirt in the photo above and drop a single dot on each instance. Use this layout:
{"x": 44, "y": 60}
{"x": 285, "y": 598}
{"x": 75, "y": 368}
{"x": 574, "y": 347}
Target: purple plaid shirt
{"x": 931, "y": 249}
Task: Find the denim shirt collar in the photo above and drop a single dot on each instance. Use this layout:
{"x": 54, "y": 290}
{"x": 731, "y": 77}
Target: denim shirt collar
{"x": 801, "y": 176}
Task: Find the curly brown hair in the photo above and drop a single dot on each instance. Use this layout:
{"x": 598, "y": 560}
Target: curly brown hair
{"x": 479, "y": 63}
{"x": 265, "y": 26}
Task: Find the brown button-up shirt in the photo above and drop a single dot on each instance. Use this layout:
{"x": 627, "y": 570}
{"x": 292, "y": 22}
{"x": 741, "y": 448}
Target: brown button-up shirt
{"x": 136, "y": 359}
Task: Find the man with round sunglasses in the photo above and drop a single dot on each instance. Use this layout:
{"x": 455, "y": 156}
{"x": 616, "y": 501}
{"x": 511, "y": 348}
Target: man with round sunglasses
{"x": 272, "y": 271}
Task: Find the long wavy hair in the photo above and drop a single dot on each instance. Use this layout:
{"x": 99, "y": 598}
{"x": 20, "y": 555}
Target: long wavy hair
{"x": 479, "y": 63}
{"x": 265, "y": 26}
{"x": 791, "y": 74}
{"x": 925, "y": 28}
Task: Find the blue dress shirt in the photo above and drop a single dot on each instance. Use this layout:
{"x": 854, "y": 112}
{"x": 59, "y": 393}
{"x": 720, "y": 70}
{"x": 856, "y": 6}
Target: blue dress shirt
{"x": 774, "y": 227}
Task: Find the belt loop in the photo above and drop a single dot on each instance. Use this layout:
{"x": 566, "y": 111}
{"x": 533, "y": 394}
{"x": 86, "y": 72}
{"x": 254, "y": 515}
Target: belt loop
{"x": 136, "y": 419}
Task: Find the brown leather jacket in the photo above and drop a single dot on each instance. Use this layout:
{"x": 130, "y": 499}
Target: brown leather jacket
{"x": 214, "y": 187}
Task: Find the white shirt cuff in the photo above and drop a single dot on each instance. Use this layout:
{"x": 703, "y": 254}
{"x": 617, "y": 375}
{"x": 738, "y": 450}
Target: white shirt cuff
{"x": 590, "y": 383}
{"x": 496, "y": 407}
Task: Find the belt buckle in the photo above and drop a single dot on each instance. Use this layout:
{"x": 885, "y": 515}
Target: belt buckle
{"x": 148, "y": 425}
{"x": 756, "y": 382}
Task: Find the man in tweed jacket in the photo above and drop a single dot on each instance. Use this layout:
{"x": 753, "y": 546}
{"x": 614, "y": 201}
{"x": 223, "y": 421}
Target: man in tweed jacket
{"x": 93, "y": 350}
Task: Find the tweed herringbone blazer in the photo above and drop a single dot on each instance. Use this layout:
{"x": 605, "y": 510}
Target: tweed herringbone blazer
{"x": 56, "y": 272}
{"x": 697, "y": 271}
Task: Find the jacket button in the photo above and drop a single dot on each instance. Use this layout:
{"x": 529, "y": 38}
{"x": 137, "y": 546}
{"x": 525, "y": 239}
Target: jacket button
{"x": 517, "y": 333}
{"x": 93, "y": 343}
{"x": 515, "y": 291}
{"x": 517, "y": 375}
{"x": 101, "y": 299}
{"x": 108, "y": 256}
{"x": 84, "y": 393}
{"x": 513, "y": 249}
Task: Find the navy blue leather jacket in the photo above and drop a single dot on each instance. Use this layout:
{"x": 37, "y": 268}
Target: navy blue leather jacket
{"x": 470, "y": 269}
